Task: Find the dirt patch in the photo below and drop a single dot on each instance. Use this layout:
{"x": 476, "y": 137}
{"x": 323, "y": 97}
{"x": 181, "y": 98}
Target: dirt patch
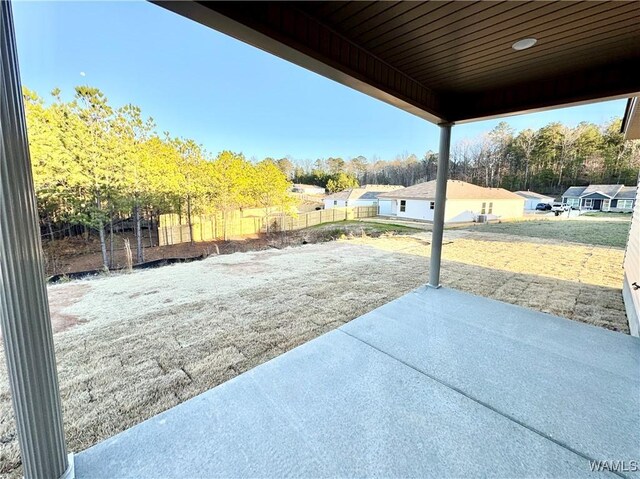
{"x": 60, "y": 299}
{"x": 76, "y": 254}
{"x": 72, "y": 255}
{"x": 149, "y": 340}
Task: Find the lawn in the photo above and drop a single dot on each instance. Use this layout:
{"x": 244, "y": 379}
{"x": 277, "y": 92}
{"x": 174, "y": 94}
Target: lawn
{"x": 602, "y": 233}
{"x": 609, "y": 215}
{"x": 366, "y": 227}
{"x": 130, "y": 346}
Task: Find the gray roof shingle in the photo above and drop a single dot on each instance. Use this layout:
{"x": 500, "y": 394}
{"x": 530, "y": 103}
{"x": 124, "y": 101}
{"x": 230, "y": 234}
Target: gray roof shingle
{"x": 627, "y": 192}
{"x": 532, "y": 195}
{"x": 367, "y": 192}
{"x": 607, "y": 190}
{"x": 612, "y": 191}
{"x": 574, "y": 191}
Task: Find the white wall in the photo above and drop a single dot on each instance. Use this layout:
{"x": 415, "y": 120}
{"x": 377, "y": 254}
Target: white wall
{"x": 459, "y": 210}
{"x": 328, "y": 204}
{"x": 416, "y": 209}
{"x": 385, "y": 207}
{"x": 624, "y": 210}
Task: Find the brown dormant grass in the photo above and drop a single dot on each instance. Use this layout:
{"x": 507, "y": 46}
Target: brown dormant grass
{"x": 143, "y": 342}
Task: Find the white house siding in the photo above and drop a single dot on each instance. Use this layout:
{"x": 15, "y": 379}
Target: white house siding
{"x": 580, "y": 203}
{"x": 460, "y": 211}
{"x": 328, "y": 204}
{"x": 385, "y": 207}
{"x": 632, "y": 271}
{"x": 617, "y": 209}
{"x": 571, "y": 201}
{"x": 394, "y": 207}
{"x": 415, "y": 209}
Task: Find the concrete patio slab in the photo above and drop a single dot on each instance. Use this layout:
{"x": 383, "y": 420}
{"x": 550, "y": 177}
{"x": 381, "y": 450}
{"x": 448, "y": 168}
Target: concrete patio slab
{"x": 574, "y": 383}
{"x": 435, "y": 384}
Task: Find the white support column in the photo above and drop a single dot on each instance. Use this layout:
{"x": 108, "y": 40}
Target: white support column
{"x": 441, "y": 197}
{"x": 24, "y": 309}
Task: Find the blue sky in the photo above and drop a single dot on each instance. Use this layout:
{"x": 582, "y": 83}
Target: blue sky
{"x": 200, "y": 84}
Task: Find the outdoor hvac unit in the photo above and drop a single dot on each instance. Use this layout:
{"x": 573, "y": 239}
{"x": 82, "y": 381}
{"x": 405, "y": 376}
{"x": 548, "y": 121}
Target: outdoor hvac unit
{"x": 481, "y": 219}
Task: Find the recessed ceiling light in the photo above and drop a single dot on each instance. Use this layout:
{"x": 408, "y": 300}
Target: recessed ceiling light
{"x": 524, "y": 44}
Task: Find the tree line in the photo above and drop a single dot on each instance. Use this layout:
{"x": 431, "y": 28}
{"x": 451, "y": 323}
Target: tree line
{"x": 547, "y": 160}
{"x": 95, "y": 167}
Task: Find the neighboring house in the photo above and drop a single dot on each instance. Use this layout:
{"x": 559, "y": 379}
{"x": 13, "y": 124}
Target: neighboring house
{"x": 363, "y": 196}
{"x": 465, "y": 202}
{"x": 308, "y": 189}
{"x": 531, "y": 199}
{"x": 618, "y": 198}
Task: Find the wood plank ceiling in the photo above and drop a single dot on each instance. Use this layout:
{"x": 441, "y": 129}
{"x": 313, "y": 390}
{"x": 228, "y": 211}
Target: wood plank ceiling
{"x": 448, "y": 60}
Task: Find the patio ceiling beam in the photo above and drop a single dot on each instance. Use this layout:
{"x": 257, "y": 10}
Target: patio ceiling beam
{"x": 288, "y": 32}
{"x": 602, "y": 83}
{"x": 24, "y": 309}
{"x": 446, "y": 61}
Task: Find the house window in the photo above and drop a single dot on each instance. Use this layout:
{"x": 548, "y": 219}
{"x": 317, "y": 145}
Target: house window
{"x": 484, "y": 209}
{"x": 335, "y": 202}
{"x": 403, "y": 206}
{"x": 588, "y": 203}
{"x": 490, "y": 208}
{"x": 432, "y": 205}
{"x": 625, "y": 204}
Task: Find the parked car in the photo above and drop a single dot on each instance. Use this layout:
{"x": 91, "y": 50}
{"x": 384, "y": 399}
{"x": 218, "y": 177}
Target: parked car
{"x": 559, "y": 207}
{"x": 543, "y": 207}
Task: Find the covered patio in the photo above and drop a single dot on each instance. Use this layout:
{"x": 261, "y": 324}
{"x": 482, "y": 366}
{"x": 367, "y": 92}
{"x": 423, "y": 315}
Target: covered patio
{"x": 437, "y": 383}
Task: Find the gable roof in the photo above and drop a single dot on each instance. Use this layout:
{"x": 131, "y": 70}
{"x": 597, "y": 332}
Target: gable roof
{"x": 627, "y": 192}
{"x": 339, "y": 195}
{"x": 532, "y": 195}
{"x": 611, "y": 191}
{"x": 370, "y": 195}
{"x": 574, "y": 191}
{"x": 455, "y": 190}
{"x": 606, "y": 190}
{"x": 367, "y": 192}
{"x": 595, "y": 195}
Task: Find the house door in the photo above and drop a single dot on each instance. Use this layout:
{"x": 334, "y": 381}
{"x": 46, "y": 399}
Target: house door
{"x": 597, "y": 204}
{"x": 606, "y": 204}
